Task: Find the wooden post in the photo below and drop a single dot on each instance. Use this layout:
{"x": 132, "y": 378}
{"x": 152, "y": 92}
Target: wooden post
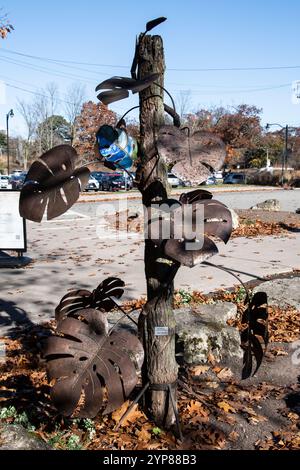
{"x": 160, "y": 364}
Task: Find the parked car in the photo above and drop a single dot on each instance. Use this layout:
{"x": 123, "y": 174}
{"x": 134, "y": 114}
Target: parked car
{"x": 17, "y": 180}
{"x": 4, "y": 182}
{"x": 235, "y": 178}
{"x": 211, "y": 180}
{"x": 93, "y": 184}
{"x": 218, "y": 175}
{"x": 114, "y": 183}
{"x": 173, "y": 180}
{"x": 99, "y": 175}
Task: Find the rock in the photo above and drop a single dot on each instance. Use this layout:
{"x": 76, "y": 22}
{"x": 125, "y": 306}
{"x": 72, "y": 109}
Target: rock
{"x": 16, "y": 437}
{"x": 297, "y": 210}
{"x": 268, "y": 205}
{"x": 203, "y": 330}
{"x": 235, "y": 219}
{"x": 282, "y": 292}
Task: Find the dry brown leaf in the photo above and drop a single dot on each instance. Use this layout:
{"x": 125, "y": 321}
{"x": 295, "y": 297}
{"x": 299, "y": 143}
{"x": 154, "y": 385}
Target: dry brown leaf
{"x": 143, "y": 435}
{"x": 256, "y": 419}
{"x": 233, "y": 436}
{"x": 133, "y": 416}
{"x": 211, "y": 359}
{"x": 223, "y": 405}
{"x": 225, "y": 374}
{"x": 198, "y": 370}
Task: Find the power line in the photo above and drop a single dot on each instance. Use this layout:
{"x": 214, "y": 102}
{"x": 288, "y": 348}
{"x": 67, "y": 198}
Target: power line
{"x": 213, "y": 69}
{"x": 36, "y": 93}
{"x": 48, "y": 71}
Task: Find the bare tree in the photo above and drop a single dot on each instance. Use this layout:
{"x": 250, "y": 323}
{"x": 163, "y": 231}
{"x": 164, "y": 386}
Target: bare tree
{"x": 30, "y": 117}
{"x": 75, "y": 98}
{"x": 52, "y": 92}
{"x": 184, "y": 103}
{"x": 45, "y": 105}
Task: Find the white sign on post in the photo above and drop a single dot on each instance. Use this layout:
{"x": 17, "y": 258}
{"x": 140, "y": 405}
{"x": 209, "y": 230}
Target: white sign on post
{"x": 12, "y": 226}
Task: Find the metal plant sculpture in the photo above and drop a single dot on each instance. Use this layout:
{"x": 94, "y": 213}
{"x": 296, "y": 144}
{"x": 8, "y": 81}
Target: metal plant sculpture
{"x": 96, "y": 368}
{"x": 93, "y": 367}
{"x": 53, "y": 184}
{"x": 255, "y": 323}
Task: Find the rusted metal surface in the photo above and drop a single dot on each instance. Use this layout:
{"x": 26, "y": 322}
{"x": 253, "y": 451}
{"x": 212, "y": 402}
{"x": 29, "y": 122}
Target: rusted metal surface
{"x": 100, "y": 299}
{"x": 194, "y": 157}
{"x": 178, "y": 244}
{"x": 52, "y": 184}
{"x": 118, "y": 87}
{"x": 92, "y": 368}
{"x": 255, "y": 322}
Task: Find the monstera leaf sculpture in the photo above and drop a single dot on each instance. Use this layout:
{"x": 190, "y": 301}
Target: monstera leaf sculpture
{"x": 117, "y": 87}
{"x": 93, "y": 369}
{"x": 99, "y": 299}
{"x": 179, "y": 235}
{"x": 52, "y": 184}
{"x": 194, "y": 157}
{"x": 255, "y": 319}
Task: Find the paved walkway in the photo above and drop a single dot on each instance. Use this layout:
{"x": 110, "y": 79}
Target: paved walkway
{"x": 67, "y": 254}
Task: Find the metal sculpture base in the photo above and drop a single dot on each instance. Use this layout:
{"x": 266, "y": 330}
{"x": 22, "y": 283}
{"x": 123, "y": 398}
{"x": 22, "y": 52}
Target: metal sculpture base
{"x": 7, "y": 261}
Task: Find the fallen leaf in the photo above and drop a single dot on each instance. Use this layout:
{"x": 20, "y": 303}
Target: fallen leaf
{"x": 233, "y": 436}
{"x": 225, "y": 374}
{"x": 223, "y": 405}
{"x": 198, "y": 370}
{"x": 143, "y": 435}
{"x": 133, "y": 416}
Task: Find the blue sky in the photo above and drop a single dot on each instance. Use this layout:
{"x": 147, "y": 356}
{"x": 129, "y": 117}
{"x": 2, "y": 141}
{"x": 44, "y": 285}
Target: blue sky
{"x": 198, "y": 34}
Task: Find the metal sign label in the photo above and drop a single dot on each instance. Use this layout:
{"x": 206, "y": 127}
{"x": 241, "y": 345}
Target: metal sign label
{"x": 161, "y": 331}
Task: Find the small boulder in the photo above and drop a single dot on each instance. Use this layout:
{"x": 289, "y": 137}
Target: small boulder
{"x": 268, "y": 205}
{"x": 298, "y": 210}
{"x": 203, "y": 331}
{"x": 16, "y": 437}
{"x": 282, "y": 292}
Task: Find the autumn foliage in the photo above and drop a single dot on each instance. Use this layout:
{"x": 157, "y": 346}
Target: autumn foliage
{"x": 92, "y": 116}
{"x": 5, "y": 27}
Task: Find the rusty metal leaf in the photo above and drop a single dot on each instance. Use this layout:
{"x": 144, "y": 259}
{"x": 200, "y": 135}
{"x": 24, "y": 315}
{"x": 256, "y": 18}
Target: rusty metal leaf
{"x": 177, "y": 250}
{"x": 108, "y": 97}
{"x": 52, "y": 184}
{"x": 118, "y": 87}
{"x": 93, "y": 370}
{"x": 174, "y": 233}
{"x": 194, "y": 196}
{"x": 99, "y": 299}
{"x": 255, "y": 319}
{"x": 194, "y": 157}
{"x": 153, "y": 23}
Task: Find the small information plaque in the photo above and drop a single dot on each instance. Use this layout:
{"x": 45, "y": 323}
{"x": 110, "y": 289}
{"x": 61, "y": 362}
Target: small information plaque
{"x": 161, "y": 331}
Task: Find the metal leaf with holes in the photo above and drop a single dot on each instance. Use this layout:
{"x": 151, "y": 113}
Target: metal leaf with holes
{"x": 256, "y": 319}
{"x": 93, "y": 370}
{"x": 194, "y": 157}
{"x": 117, "y": 88}
{"x": 186, "y": 236}
{"x": 52, "y": 184}
{"x": 100, "y": 299}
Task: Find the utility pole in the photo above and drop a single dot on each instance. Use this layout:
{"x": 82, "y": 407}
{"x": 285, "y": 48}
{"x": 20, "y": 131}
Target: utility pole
{"x": 286, "y": 136}
{"x": 157, "y": 327}
{"x": 9, "y": 114}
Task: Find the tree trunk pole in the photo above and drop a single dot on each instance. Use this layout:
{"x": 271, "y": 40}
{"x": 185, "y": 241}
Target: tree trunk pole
{"x": 160, "y": 363}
